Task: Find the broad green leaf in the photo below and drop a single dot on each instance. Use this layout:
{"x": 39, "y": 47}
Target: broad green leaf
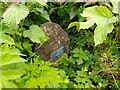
{"x": 100, "y": 33}
{"x": 6, "y": 39}
{"x": 1, "y": 84}
{"x": 86, "y": 25}
{"x": 104, "y": 19}
{"x": 99, "y": 14}
{"x": 14, "y": 14}
{"x": 6, "y": 59}
{"x": 72, "y": 14}
{"x": 10, "y": 74}
{"x": 4, "y": 49}
{"x": 36, "y": 34}
{"x": 0, "y": 14}
{"x": 115, "y": 5}
{"x": 43, "y": 13}
{"x": 82, "y": 25}
{"x": 42, "y": 2}
{"x": 74, "y": 24}
{"x": 113, "y": 19}
{"x": 7, "y": 84}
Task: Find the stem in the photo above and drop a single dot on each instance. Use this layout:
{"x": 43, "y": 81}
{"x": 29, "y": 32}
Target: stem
{"x": 115, "y": 81}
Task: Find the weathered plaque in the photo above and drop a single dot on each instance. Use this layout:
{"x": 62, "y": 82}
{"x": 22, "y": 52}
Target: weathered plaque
{"x": 58, "y": 53}
{"x": 57, "y": 44}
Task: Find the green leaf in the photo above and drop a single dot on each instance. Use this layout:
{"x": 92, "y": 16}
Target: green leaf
{"x": 43, "y": 13}
{"x": 14, "y": 14}
{"x": 1, "y": 84}
{"x": 10, "y": 74}
{"x": 31, "y": 83}
{"x": 86, "y": 25}
{"x": 36, "y": 34}
{"x": 9, "y": 55}
{"x": 72, "y": 14}
{"x": 27, "y": 46}
{"x": 74, "y": 24}
{"x": 82, "y": 25}
{"x": 9, "y": 59}
{"x": 43, "y": 76}
{"x": 4, "y": 38}
{"x": 42, "y": 2}
{"x": 80, "y": 55}
{"x": 104, "y": 18}
{"x": 6, "y": 49}
{"x": 115, "y": 5}
{"x": 7, "y": 84}
{"x": 99, "y": 14}
{"x": 100, "y": 33}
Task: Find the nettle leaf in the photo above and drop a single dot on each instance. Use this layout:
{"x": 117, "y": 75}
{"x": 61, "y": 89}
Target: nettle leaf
{"x": 1, "y": 84}
{"x": 7, "y": 84}
{"x": 10, "y": 74}
{"x": 8, "y": 57}
{"x": 6, "y": 39}
{"x": 14, "y": 14}
{"x": 6, "y": 49}
{"x": 36, "y": 34}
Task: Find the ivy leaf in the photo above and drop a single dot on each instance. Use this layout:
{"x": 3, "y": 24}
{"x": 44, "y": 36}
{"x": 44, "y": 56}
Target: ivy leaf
{"x": 14, "y": 14}
{"x": 101, "y": 32}
{"x": 10, "y": 74}
{"x": 36, "y": 34}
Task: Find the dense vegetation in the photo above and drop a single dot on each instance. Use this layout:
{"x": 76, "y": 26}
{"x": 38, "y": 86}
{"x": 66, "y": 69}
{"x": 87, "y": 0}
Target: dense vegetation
{"x": 93, "y": 29}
